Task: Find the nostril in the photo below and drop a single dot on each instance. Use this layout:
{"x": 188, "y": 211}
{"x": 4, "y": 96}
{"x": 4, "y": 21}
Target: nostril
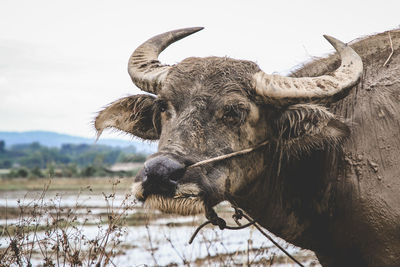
{"x": 177, "y": 174}
{"x": 163, "y": 170}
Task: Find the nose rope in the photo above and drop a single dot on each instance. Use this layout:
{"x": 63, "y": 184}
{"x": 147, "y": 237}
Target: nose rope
{"x": 230, "y": 155}
{"x": 214, "y": 219}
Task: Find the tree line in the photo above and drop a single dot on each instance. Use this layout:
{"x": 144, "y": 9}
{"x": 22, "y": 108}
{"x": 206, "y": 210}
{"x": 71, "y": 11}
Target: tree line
{"x": 69, "y": 160}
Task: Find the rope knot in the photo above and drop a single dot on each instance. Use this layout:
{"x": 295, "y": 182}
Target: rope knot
{"x": 238, "y": 215}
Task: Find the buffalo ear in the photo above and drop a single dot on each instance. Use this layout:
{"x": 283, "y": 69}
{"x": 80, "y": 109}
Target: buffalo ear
{"x": 305, "y": 127}
{"x": 135, "y": 114}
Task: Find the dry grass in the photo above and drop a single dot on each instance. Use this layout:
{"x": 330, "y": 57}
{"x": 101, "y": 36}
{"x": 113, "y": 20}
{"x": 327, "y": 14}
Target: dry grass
{"x": 44, "y": 233}
{"x": 52, "y": 235}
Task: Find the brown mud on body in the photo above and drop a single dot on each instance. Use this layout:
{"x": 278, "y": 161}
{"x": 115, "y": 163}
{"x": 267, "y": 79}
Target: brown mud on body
{"x": 371, "y": 163}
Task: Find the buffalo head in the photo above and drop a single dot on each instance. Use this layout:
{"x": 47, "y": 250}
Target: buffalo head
{"x": 202, "y": 108}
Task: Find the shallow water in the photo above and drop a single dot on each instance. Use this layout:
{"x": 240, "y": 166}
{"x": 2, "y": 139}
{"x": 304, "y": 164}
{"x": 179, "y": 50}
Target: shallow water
{"x": 166, "y": 236}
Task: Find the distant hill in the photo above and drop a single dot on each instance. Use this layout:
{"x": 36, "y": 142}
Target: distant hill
{"x": 52, "y": 139}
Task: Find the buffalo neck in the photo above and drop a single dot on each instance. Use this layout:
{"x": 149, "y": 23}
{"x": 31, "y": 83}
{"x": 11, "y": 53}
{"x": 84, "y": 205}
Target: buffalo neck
{"x": 295, "y": 196}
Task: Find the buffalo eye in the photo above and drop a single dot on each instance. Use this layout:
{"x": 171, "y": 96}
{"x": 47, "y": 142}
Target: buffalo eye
{"x": 162, "y": 105}
{"x": 234, "y": 114}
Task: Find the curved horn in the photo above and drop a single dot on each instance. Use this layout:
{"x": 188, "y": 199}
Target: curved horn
{"x": 145, "y": 70}
{"x": 280, "y": 90}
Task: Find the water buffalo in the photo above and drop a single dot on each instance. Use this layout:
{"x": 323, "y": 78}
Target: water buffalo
{"x": 327, "y": 177}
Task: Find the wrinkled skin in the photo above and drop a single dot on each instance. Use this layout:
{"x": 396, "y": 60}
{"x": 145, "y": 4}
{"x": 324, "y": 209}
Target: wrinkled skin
{"x": 231, "y": 124}
{"x": 317, "y": 183}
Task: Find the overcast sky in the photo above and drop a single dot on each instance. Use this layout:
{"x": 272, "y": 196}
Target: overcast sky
{"x": 62, "y": 61}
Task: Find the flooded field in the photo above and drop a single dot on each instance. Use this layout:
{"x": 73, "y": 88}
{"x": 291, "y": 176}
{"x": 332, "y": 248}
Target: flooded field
{"x": 130, "y": 235}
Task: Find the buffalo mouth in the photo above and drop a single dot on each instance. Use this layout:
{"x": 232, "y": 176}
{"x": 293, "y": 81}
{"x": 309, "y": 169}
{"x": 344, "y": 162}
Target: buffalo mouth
{"x": 186, "y": 199}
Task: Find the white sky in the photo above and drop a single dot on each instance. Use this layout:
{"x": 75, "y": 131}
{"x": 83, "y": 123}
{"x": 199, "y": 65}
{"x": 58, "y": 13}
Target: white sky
{"x": 61, "y": 61}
